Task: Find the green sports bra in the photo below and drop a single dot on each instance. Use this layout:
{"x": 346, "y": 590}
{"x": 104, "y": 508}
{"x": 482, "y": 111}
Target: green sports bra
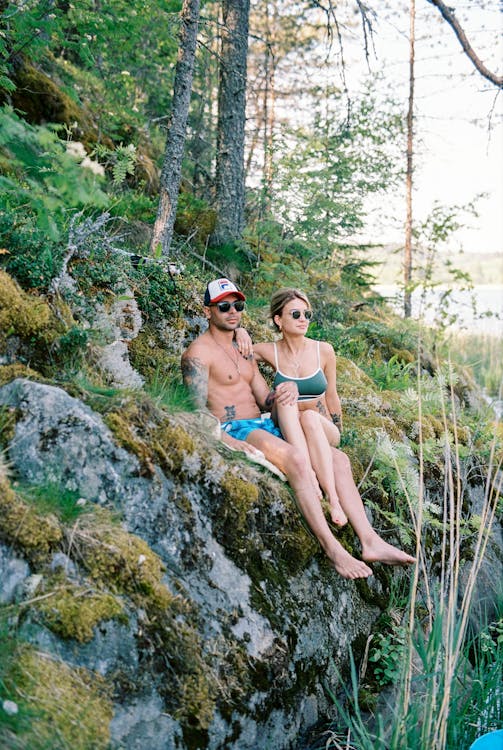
{"x": 311, "y": 387}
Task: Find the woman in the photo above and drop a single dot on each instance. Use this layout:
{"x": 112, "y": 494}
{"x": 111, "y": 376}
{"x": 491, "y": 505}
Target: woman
{"x": 312, "y": 366}
{"x": 314, "y": 424}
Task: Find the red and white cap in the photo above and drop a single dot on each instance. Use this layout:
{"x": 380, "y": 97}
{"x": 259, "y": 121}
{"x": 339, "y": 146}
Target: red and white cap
{"x": 220, "y": 288}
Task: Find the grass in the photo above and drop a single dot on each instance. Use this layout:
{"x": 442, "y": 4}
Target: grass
{"x": 447, "y": 690}
{"x": 67, "y": 505}
{"x": 169, "y": 392}
{"x": 482, "y": 353}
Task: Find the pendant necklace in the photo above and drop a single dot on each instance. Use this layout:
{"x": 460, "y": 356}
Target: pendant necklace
{"x": 235, "y": 362}
{"x": 296, "y": 364}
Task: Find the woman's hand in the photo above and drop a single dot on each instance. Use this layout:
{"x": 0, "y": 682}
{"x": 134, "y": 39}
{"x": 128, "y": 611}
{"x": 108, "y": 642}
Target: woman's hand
{"x": 243, "y": 342}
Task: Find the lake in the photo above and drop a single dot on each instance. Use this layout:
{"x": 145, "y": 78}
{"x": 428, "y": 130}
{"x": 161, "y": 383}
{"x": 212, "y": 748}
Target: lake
{"x": 479, "y": 309}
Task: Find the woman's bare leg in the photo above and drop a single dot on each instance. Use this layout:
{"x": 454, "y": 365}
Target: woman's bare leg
{"x": 331, "y": 431}
{"x": 287, "y": 417}
{"x": 321, "y": 460}
{"x": 298, "y": 471}
{"x": 374, "y": 548}
{"x": 304, "y": 431}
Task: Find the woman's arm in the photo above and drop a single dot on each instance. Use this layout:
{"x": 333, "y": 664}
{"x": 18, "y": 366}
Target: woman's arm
{"x": 246, "y": 347}
{"x": 331, "y": 396}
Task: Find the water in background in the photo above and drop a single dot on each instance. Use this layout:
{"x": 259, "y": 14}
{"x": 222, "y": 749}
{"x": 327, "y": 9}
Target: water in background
{"x": 470, "y": 308}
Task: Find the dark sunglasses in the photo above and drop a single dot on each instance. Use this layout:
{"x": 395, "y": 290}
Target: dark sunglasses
{"x": 308, "y": 314}
{"x": 238, "y": 305}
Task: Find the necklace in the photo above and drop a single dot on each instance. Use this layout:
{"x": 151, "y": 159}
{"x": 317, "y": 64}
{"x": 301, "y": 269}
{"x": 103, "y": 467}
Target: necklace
{"x": 235, "y": 362}
{"x": 295, "y": 360}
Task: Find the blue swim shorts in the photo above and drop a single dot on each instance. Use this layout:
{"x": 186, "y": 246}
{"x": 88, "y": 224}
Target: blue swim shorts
{"x": 241, "y": 428}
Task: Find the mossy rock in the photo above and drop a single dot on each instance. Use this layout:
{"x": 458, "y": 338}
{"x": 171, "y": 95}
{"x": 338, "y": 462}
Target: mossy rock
{"x": 121, "y": 561}
{"x": 21, "y": 314}
{"x": 125, "y": 433}
{"x": 149, "y": 357}
{"x": 172, "y": 444}
{"x": 58, "y": 706}
{"x": 42, "y": 99}
{"x": 144, "y": 429}
{"x": 74, "y": 611}
{"x": 35, "y": 535}
{"x": 17, "y": 370}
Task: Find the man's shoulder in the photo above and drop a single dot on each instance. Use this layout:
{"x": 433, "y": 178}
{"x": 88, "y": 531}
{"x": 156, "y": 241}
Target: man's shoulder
{"x": 198, "y": 349}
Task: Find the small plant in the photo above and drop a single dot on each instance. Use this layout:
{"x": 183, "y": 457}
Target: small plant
{"x": 393, "y": 375}
{"x": 51, "y": 498}
{"x": 387, "y": 655}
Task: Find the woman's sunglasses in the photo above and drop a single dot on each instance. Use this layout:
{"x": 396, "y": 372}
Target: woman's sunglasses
{"x": 308, "y": 314}
{"x": 238, "y": 305}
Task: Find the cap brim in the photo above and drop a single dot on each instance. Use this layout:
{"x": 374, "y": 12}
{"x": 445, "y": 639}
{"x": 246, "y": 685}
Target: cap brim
{"x": 220, "y": 297}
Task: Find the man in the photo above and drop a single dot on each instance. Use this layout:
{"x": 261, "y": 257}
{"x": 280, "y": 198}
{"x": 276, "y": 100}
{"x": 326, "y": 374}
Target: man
{"x": 234, "y": 391}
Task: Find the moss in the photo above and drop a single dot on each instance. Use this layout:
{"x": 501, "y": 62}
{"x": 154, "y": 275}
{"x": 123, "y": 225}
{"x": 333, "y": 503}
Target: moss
{"x": 172, "y": 444}
{"x": 125, "y": 434}
{"x": 238, "y": 497}
{"x": 21, "y": 313}
{"x": 74, "y": 611}
{"x": 42, "y": 100}
{"x": 120, "y": 560}
{"x": 143, "y": 429}
{"x": 17, "y": 370}
{"x": 149, "y": 356}
{"x": 58, "y": 706}
{"x": 34, "y": 534}
{"x": 196, "y": 701}
{"x": 8, "y": 418}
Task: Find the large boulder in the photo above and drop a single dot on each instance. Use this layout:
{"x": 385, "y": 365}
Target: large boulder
{"x": 265, "y": 620}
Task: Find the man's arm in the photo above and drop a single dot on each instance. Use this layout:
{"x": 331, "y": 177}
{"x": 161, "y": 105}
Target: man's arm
{"x": 195, "y": 376}
{"x": 285, "y": 393}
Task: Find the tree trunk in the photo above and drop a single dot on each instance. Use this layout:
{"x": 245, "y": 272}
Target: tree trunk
{"x": 269, "y": 111}
{"x": 173, "y": 155}
{"x": 229, "y": 180}
{"x": 407, "y": 261}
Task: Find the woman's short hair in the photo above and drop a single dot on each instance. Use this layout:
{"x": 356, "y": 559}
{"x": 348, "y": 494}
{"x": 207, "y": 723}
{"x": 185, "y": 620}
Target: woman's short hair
{"x": 280, "y": 298}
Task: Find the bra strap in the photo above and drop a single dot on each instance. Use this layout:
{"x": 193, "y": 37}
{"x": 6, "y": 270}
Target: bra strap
{"x": 276, "y": 356}
{"x": 319, "y": 357}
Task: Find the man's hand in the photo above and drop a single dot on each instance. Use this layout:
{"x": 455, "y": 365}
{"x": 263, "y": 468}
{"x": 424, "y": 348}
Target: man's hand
{"x": 243, "y": 342}
{"x": 240, "y": 445}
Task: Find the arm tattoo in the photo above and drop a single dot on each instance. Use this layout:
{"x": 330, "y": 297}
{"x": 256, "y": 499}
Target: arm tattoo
{"x": 230, "y": 413}
{"x": 195, "y": 377}
{"x": 336, "y": 419}
{"x": 321, "y": 408}
{"x": 270, "y": 399}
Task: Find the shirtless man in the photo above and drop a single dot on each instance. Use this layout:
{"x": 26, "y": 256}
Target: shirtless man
{"x": 234, "y": 391}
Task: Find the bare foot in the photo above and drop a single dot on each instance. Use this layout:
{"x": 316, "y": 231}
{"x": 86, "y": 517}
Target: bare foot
{"x": 377, "y": 550}
{"x": 346, "y": 565}
{"x": 337, "y": 514}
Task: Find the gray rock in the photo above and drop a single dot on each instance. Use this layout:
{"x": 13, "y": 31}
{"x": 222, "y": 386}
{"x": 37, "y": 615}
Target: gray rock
{"x": 13, "y": 573}
{"x": 142, "y": 725}
{"x": 59, "y": 440}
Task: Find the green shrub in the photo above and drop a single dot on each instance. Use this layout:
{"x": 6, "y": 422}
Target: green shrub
{"x": 28, "y": 253}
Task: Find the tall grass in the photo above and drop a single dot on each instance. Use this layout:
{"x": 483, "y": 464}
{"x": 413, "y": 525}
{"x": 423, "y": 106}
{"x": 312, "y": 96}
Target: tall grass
{"x": 449, "y": 688}
{"x": 483, "y": 354}
{"x": 168, "y": 390}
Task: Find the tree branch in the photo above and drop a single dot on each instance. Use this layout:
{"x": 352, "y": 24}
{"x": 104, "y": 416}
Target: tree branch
{"x": 448, "y": 15}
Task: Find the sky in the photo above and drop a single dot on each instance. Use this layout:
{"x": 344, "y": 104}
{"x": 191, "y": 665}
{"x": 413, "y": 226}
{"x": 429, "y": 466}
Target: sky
{"x": 459, "y": 115}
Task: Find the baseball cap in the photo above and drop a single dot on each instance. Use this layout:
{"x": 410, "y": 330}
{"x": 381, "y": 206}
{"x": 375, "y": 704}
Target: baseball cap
{"x": 220, "y": 288}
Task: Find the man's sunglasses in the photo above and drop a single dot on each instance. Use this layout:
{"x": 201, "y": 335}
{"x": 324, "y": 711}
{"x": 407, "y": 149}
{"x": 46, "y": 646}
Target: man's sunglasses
{"x": 238, "y": 305}
{"x": 308, "y": 314}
